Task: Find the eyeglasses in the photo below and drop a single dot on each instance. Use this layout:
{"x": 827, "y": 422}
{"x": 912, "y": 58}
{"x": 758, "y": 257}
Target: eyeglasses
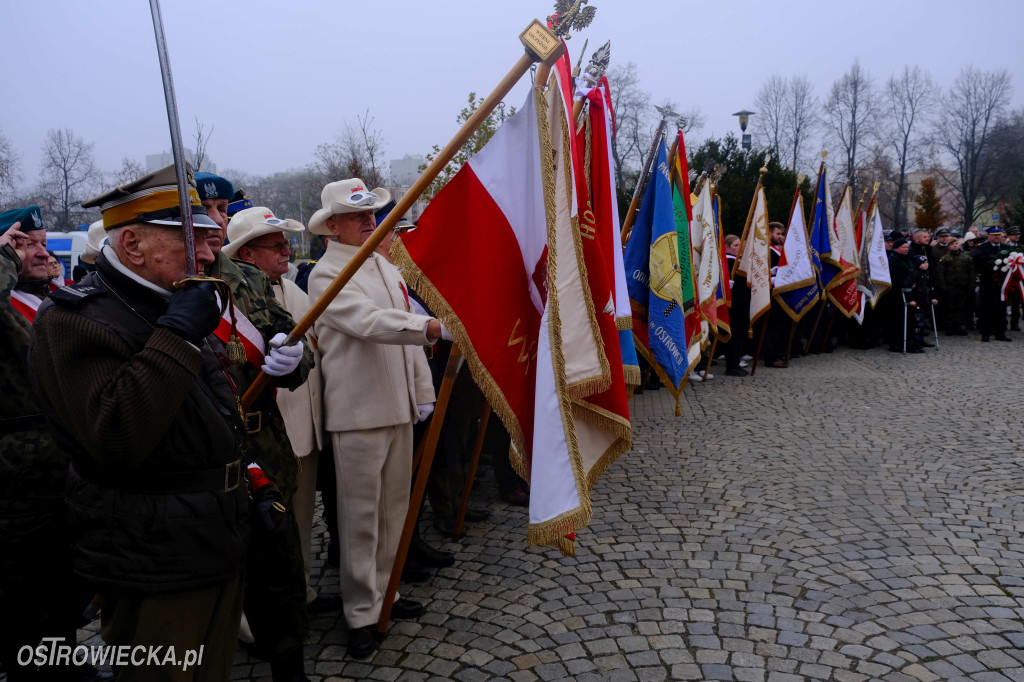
{"x": 276, "y": 246}
{"x": 362, "y": 198}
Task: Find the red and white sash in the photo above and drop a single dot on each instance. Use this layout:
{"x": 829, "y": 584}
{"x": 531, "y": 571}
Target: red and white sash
{"x": 252, "y": 340}
{"x": 26, "y": 304}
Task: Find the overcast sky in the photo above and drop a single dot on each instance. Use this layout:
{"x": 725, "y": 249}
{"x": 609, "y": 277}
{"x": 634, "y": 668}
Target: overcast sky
{"x": 275, "y": 79}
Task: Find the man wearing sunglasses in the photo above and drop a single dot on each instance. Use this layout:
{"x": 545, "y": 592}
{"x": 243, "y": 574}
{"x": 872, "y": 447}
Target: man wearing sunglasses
{"x": 376, "y": 385}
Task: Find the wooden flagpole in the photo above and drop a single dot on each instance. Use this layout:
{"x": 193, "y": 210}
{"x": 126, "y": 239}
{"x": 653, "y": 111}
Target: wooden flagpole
{"x": 641, "y": 183}
{"x": 822, "y": 301}
{"x": 422, "y": 474}
{"x": 760, "y": 342}
{"x": 474, "y": 460}
{"x": 541, "y": 45}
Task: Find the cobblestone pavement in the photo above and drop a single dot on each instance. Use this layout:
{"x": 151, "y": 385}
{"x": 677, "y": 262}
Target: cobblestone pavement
{"x": 781, "y": 529}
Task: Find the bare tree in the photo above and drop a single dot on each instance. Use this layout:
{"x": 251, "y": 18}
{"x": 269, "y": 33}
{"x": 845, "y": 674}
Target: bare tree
{"x": 770, "y": 105}
{"x": 851, "y": 116}
{"x": 202, "y": 137}
{"x": 130, "y": 170}
{"x": 970, "y": 110}
{"x": 632, "y": 109}
{"x": 358, "y": 152}
{"x": 801, "y": 116}
{"x": 9, "y": 162}
{"x": 67, "y": 175}
{"x": 908, "y": 100}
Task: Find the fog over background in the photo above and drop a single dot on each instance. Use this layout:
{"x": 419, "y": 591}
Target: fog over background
{"x": 277, "y": 79}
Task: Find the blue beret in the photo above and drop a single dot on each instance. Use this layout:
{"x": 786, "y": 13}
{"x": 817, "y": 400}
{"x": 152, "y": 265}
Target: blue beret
{"x": 238, "y": 202}
{"x": 30, "y": 218}
{"x": 212, "y": 186}
{"x": 994, "y": 230}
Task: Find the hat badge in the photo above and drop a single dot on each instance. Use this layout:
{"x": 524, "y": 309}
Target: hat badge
{"x": 37, "y": 219}
{"x": 211, "y": 190}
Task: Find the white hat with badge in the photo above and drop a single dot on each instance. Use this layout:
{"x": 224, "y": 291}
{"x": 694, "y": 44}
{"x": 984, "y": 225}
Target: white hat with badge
{"x": 254, "y": 222}
{"x": 346, "y": 196}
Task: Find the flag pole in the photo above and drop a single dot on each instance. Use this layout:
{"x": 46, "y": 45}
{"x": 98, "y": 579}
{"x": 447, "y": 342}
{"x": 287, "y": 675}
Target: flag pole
{"x": 420, "y": 485}
{"x": 541, "y": 45}
{"x": 750, "y": 214}
{"x": 177, "y": 147}
{"x": 641, "y": 183}
{"x": 792, "y": 209}
{"x": 760, "y": 341}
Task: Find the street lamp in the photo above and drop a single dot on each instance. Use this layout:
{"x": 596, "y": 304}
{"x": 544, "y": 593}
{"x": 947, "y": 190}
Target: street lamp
{"x": 744, "y": 120}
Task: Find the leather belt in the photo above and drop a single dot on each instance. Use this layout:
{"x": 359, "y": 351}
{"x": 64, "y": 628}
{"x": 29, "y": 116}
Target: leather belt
{"x": 226, "y": 478}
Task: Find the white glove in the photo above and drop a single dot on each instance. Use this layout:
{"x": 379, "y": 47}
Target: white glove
{"x": 425, "y": 410}
{"x": 282, "y": 360}
{"x": 445, "y": 334}
{"x": 774, "y": 271}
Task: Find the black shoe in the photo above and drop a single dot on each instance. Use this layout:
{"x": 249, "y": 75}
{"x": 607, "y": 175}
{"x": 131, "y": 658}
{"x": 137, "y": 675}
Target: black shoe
{"x": 1004, "y": 337}
{"x": 405, "y": 609}
{"x": 518, "y": 497}
{"x": 414, "y": 572}
{"x": 288, "y": 667}
{"x": 984, "y": 338}
{"x": 426, "y": 555}
{"x": 362, "y": 641}
{"x": 915, "y": 349}
{"x": 895, "y": 349}
{"x": 1015, "y": 328}
{"x": 736, "y": 372}
{"x": 322, "y": 604}
{"x": 925, "y": 343}
{"x": 444, "y": 525}
{"x": 477, "y": 515}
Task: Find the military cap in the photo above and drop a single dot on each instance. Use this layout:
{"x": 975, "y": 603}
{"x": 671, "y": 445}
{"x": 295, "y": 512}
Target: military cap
{"x": 212, "y": 186}
{"x": 239, "y": 202}
{"x": 942, "y": 232}
{"x": 1013, "y": 230}
{"x": 889, "y": 236}
{"x": 30, "y": 218}
{"x": 995, "y": 229}
{"x": 152, "y": 199}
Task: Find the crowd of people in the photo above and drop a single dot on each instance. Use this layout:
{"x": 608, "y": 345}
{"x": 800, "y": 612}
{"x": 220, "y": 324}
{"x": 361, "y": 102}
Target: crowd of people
{"x": 132, "y": 471}
{"x": 941, "y": 283}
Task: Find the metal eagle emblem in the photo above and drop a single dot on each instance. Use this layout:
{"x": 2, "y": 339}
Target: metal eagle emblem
{"x": 571, "y": 16}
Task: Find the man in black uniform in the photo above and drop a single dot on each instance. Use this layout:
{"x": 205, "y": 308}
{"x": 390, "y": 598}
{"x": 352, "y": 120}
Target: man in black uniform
{"x": 991, "y": 307}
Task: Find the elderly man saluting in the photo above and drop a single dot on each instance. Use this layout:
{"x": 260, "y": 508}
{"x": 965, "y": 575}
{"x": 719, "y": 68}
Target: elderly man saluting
{"x": 376, "y": 385}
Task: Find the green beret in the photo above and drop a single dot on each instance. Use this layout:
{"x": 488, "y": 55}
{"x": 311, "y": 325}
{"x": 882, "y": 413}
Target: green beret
{"x": 30, "y": 218}
{"x": 212, "y": 186}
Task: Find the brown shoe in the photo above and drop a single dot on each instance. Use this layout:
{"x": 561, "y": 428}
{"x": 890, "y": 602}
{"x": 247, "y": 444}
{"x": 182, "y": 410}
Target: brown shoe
{"x": 779, "y": 364}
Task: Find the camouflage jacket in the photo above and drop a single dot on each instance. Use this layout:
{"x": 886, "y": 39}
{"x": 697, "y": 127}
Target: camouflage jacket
{"x": 32, "y": 468}
{"x": 252, "y": 293}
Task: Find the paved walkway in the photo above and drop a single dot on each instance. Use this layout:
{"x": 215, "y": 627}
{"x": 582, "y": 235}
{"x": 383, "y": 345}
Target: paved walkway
{"x": 858, "y": 516}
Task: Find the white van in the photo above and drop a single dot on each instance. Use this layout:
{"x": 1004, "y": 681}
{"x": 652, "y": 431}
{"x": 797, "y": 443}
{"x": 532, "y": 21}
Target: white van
{"x": 68, "y": 246}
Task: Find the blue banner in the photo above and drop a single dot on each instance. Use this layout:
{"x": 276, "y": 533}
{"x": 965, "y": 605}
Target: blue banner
{"x": 653, "y": 276}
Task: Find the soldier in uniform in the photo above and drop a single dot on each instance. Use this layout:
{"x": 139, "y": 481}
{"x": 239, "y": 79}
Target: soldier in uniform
{"x": 36, "y": 582}
{"x": 275, "y": 601}
{"x": 135, "y": 394}
{"x": 376, "y": 385}
{"x": 991, "y": 307}
{"x": 956, "y": 284}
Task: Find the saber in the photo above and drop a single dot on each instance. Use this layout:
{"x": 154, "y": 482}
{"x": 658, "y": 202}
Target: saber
{"x": 935, "y": 327}
{"x": 903, "y": 293}
{"x": 177, "y": 148}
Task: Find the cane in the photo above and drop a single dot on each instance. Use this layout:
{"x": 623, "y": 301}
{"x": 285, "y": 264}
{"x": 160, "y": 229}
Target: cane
{"x": 935, "y": 328}
{"x": 904, "y": 294}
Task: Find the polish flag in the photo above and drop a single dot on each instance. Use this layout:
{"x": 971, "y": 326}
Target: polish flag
{"x": 26, "y": 304}
{"x": 496, "y": 256}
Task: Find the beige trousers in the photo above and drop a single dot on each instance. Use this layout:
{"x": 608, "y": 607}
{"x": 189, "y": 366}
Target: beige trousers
{"x": 303, "y": 505}
{"x": 374, "y": 474}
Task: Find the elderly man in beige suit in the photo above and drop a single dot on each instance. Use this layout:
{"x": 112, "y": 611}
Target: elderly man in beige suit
{"x": 376, "y": 385}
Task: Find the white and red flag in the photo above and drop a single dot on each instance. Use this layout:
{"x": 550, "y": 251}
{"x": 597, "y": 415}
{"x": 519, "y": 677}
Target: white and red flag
{"x": 755, "y": 263}
{"x": 498, "y": 256}
{"x": 842, "y": 290}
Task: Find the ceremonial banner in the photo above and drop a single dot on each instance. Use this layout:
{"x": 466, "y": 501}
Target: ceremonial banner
{"x": 682, "y": 210}
{"x": 842, "y": 288}
{"x": 723, "y": 290}
{"x": 796, "y": 283}
{"x": 877, "y": 260}
{"x": 504, "y": 201}
{"x": 755, "y": 263}
{"x": 707, "y": 263}
{"x": 655, "y": 285}
{"x": 822, "y": 229}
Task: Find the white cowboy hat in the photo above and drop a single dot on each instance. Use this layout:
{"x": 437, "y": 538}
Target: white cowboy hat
{"x": 97, "y": 239}
{"x": 346, "y": 196}
{"x": 255, "y": 222}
